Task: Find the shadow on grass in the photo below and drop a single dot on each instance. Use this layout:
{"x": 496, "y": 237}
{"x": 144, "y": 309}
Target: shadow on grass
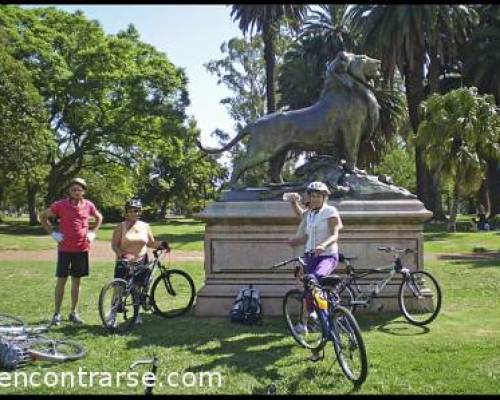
{"x": 402, "y": 328}
{"x": 480, "y": 259}
{"x": 181, "y": 238}
{"x": 175, "y": 222}
{"x": 22, "y": 228}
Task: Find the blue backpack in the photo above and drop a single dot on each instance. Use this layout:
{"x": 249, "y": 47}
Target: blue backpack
{"x": 247, "y": 308}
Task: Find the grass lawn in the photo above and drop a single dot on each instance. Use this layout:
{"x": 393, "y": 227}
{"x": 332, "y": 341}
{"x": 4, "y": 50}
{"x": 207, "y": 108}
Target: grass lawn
{"x": 181, "y": 233}
{"x": 458, "y": 354}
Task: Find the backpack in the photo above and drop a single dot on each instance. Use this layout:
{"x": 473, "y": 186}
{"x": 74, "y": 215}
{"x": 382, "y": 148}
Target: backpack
{"x": 247, "y": 308}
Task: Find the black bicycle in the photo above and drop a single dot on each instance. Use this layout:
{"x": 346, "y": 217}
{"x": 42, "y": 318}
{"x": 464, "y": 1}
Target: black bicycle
{"x": 419, "y": 295}
{"x": 329, "y": 321}
{"x": 172, "y": 294}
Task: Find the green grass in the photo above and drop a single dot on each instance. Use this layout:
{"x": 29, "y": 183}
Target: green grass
{"x": 459, "y": 353}
{"x": 181, "y": 233}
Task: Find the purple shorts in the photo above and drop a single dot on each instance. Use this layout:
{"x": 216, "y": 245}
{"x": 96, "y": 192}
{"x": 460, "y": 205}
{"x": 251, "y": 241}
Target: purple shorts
{"x": 321, "y": 266}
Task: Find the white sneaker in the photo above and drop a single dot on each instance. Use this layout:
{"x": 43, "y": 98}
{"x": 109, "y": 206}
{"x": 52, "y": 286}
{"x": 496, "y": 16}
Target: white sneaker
{"x": 138, "y": 321}
{"x": 313, "y": 315}
{"x": 300, "y": 328}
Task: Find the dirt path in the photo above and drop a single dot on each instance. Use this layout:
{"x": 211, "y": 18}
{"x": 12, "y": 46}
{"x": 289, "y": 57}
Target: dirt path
{"x": 100, "y": 251}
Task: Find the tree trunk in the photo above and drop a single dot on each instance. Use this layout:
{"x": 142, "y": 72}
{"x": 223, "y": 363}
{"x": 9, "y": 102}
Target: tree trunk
{"x": 493, "y": 182}
{"x": 482, "y": 197}
{"x": 31, "y": 194}
{"x": 452, "y": 223}
{"x": 268, "y": 37}
{"x": 414, "y": 82}
{"x": 434, "y": 179}
{"x": 163, "y": 209}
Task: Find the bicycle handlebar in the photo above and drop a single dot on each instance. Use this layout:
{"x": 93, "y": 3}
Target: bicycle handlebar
{"x": 153, "y": 361}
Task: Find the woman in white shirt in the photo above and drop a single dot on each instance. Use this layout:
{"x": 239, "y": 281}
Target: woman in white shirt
{"x": 322, "y": 224}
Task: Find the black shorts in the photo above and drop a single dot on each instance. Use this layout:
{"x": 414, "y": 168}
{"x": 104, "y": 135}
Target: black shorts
{"x": 74, "y": 264}
{"x": 121, "y": 270}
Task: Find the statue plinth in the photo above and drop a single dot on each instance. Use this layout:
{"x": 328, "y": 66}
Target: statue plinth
{"x": 244, "y": 238}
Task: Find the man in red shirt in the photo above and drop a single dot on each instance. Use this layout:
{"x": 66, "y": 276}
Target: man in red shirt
{"x": 74, "y": 238}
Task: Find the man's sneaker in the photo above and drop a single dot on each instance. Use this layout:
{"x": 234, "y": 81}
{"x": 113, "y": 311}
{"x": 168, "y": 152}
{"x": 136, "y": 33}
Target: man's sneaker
{"x": 138, "y": 321}
{"x": 300, "y": 328}
{"x": 56, "y": 319}
{"x": 75, "y": 318}
{"x": 315, "y": 357}
{"x": 111, "y": 320}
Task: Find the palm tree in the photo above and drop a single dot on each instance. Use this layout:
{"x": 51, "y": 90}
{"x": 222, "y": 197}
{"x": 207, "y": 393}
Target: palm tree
{"x": 469, "y": 131}
{"x": 266, "y": 19}
{"x": 481, "y": 69}
{"x": 401, "y": 37}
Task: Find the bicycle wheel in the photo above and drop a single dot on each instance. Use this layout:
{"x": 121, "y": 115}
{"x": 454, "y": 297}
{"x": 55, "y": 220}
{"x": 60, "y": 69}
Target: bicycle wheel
{"x": 307, "y": 331}
{"x": 173, "y": 293}
{"x": 46, "y": 349}
{"x": 349, "y": 346}
{"x": 11, "y": 324}
{"x": 118, "y": 307}
{"x": 419, "y": 298}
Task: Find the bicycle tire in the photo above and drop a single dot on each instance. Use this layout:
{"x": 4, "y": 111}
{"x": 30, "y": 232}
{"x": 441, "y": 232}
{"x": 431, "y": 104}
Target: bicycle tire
{"x": 293, "y": 311}
{"x": 411, "y": 289}
{"x": 122, "y": 322}
{"x": 11, "y": 322}
{"x": 179, "y": 290}
{"x": 46, "y": 349}
{"x": 347, "y": 330}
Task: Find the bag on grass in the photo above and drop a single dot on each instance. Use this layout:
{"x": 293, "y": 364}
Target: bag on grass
{"x": 247, "y": 308}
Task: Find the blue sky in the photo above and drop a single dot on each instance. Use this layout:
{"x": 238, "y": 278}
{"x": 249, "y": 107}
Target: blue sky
{"x": 190, "y": 35}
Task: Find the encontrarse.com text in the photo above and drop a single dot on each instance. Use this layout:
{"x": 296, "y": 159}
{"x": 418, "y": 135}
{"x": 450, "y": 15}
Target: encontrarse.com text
{"x": 118, "y": 379}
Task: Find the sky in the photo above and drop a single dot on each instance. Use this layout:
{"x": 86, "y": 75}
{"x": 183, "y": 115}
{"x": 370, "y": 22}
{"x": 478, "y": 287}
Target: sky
{"x": 190, "y": 35}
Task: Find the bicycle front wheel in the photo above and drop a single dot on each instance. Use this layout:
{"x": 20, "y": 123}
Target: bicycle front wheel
{"x": 348, "y": 344}
{"x": 173, "y": 293}
{"x": 118, "y": 307}
{"x": 419, "y": 298}
{"x": 55, "y": 350}
{"x": 11, "y": 324}
{"x": 307, "y": 331}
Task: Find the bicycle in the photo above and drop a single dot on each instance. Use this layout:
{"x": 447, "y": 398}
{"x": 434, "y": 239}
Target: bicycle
{"x": 419, "y": 295}
{"x": 154, "y": 368}
{"x": 330, "y": 321}
{"x": 20, "y": 343}
{"x": 172, "y": 294}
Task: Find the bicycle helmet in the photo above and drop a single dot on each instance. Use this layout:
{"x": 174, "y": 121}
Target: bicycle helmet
{"x": 318, "y": 187}
{"x": 134, "y": 203}
{"x": 78, "y": 181}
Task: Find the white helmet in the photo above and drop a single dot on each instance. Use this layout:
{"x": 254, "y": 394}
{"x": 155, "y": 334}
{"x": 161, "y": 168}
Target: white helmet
{"x": 318, "y": 187}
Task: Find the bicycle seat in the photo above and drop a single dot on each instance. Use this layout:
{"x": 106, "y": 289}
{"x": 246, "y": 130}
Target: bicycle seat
{"x": 343, "y": 257}
{"x": 329, "y": 280}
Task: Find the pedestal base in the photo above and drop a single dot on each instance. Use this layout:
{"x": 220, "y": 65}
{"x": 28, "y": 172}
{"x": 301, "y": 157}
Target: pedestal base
{"x": 243, "y": 239}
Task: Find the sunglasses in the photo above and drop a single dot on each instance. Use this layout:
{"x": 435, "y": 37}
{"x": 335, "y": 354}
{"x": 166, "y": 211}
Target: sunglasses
{"x": 134, "y": 210}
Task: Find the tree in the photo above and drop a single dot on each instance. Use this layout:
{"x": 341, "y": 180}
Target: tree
{"x": 469, "y": 132}
{"x": 25, "y": 140}
{"x": 111, "y": 99}
{"x": 266, "y": 20}
{"x": 242, "y": 71}
{"x": 400, "y": 36}
{"x": 481, "y": 70}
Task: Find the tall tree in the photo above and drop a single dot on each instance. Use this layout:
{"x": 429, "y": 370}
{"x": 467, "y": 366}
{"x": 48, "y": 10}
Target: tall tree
{"x": 266, "y": 19}
{"x": 25, "y": 139}
{"x": 399, "y": 35}
{"x": 111, "y": 99}
{"x": 469, "y": 132}
{"x": 481, "y": 69}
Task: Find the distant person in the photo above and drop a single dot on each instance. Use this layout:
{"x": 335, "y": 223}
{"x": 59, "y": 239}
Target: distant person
{"x": 74, "y": 239}
{"x": 482, "y": 221}
{"x": 130, "y": 242}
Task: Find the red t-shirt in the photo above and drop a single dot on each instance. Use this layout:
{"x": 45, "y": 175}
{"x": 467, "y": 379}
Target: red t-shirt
{"x": 73, "y": 224}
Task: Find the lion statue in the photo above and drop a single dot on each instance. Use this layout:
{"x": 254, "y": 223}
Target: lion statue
{"x": 346, "y": 113}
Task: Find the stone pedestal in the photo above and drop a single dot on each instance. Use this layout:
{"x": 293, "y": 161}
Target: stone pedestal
{"x": 244, "y": 238}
